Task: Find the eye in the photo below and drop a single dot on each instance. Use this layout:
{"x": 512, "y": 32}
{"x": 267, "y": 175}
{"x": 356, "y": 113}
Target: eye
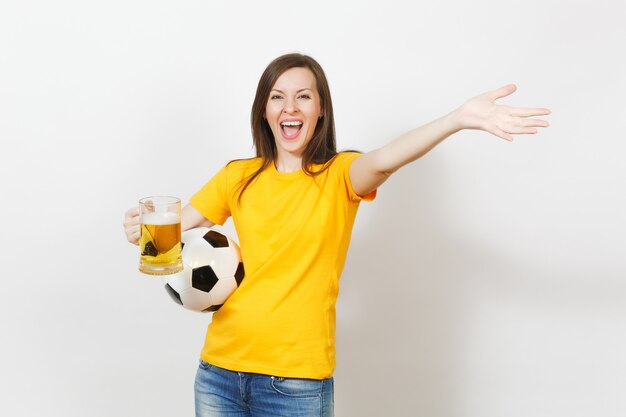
{"x": 276, "y": 97}
{"x": 305, "y": 96}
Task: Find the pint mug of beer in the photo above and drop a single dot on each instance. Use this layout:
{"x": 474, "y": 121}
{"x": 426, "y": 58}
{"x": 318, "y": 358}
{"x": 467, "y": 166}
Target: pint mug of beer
{"x": 160, "y": 235}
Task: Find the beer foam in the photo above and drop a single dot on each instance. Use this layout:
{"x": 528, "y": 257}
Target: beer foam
{"x": 160, "y": 218}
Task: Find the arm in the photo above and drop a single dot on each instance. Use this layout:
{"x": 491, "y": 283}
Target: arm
{"x": 190, "y": 218}
{"x": 372, "y": 169}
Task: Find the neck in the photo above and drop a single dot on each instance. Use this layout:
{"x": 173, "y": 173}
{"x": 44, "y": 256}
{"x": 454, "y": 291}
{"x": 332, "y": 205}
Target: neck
{"x": 286, "y": 164}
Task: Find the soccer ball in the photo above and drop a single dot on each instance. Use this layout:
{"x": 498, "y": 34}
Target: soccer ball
{"x": 212, "y": 270}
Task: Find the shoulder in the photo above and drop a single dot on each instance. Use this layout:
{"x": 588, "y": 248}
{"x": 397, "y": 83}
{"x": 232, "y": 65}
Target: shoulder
{"x": 243, "y": 166}
{"x": 337, "y": 166}
{"x": 244, "y": 163}
{"x": 343, "y": 160}
{"x": 348, "y": 155}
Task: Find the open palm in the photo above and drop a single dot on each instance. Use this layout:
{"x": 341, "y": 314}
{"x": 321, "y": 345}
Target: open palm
{"x": 482, "y": 113}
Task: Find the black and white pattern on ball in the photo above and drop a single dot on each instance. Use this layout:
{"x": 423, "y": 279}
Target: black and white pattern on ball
{"x": 212, "y": 271}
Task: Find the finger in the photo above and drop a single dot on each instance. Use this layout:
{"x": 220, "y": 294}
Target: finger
{"x": 500, "y": 133}
{"x": 133, "y": 234}
{"x": 528, "y": 112}
{"x": 136, "y": 228}
{"x": 532, "y": 123}
{"x": 519, "y": 130}
{"x": 149, "y": 204}
{"x": 501, "y": 92}
{"x": 132, "y": 212}
{"x": 517, "y": 127}
{"x": 131, "y": 221}
{"x": 134, "y": 238}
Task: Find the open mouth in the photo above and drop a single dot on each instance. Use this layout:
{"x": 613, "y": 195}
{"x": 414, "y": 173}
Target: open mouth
{"x": 290, "y": 129}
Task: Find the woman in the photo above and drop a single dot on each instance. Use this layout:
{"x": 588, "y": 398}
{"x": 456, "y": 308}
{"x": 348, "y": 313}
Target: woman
{"x": 270, "y": 349}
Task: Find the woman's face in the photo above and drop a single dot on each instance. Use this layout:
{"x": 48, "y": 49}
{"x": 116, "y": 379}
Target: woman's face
{"x": 292, "y": 111}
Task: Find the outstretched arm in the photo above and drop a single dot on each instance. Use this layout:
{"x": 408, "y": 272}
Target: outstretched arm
{"x": 371, "y": 169}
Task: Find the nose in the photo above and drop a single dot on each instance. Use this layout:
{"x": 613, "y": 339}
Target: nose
{"x": 290, "y": 106}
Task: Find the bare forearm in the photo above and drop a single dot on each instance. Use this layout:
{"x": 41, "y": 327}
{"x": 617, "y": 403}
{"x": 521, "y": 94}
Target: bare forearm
{"x": 372, "y": 169}
{"x": 413, "y": 144}
{"x": 192, "y": 218}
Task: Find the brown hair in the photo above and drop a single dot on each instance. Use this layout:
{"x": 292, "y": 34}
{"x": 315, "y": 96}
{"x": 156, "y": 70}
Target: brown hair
{"x": 322, "y": 147}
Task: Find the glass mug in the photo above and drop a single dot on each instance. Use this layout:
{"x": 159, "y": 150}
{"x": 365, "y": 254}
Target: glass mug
{"x": 159, "y": 243}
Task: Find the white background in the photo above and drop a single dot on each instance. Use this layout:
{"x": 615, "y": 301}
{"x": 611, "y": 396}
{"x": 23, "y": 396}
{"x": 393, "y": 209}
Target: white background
{"x": 487, "y": 279}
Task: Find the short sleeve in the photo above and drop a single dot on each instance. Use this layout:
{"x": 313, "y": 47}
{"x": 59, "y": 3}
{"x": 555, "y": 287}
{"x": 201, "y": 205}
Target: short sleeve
{"x": 344, "y": 161}
{"x": 212, "y": 200}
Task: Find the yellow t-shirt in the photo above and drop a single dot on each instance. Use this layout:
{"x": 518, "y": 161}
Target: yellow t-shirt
{"x": 294, "y": 231}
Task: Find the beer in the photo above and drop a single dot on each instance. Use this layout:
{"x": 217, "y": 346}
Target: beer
{"x": 160, "y": 242}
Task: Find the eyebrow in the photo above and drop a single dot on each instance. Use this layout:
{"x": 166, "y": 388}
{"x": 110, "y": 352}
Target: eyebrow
{"x": 299, "y": 91}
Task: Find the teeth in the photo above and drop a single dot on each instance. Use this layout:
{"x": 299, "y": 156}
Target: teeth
{"x": 291, "y": 124}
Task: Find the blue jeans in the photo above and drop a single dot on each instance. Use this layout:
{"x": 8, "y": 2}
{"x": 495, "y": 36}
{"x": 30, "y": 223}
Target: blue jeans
{"x": 223, "y": 393}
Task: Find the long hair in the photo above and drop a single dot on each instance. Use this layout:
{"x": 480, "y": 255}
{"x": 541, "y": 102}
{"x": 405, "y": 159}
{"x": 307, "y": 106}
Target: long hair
{"x": 321, "y": 148}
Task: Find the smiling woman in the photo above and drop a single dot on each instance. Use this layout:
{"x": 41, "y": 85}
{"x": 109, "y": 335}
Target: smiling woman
{"x": 270, "y": 349}
{"x": 292, "y": 112}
